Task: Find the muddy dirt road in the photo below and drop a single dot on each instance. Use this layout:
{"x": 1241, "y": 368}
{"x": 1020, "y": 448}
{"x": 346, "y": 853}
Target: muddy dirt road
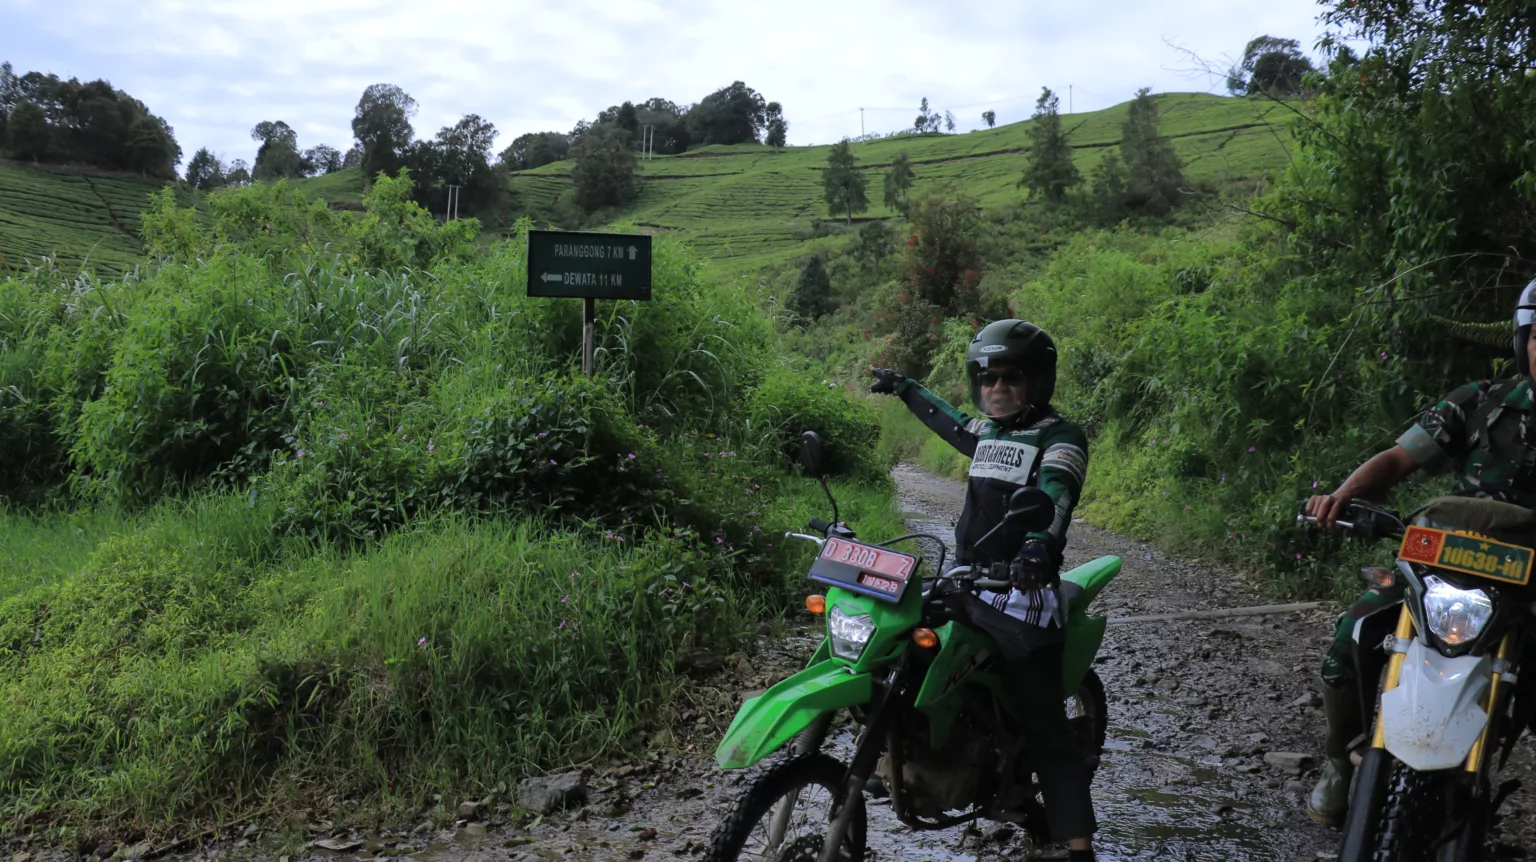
{"x": 1214, "y": 733}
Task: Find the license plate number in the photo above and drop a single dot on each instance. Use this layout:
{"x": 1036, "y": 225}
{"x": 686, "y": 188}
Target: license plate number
{"x": 1468, "y": 554}
{"x": 873, "y": 561}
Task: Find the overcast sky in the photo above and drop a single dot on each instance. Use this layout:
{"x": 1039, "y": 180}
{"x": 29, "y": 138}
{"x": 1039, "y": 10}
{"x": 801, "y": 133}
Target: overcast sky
{"x": 214, "y": 68}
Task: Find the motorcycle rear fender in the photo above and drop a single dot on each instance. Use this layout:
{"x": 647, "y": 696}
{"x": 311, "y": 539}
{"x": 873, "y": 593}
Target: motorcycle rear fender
{"x": 1092, "y": 576}
{"x": 767, "y": 721}
{"x": 1432, "y": 719}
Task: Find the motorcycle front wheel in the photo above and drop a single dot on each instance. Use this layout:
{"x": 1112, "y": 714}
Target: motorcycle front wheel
{"x": 785, "y": 814}
{"x": 1088, "y": 713}
{"x": 1411, "y": 816}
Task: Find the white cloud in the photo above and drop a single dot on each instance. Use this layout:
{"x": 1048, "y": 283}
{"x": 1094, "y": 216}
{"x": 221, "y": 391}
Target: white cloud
{"x": 216, "y": 69}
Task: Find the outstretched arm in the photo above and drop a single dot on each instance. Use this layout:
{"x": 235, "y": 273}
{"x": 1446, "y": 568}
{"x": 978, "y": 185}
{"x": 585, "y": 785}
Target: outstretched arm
{"x": 939, "y": 415}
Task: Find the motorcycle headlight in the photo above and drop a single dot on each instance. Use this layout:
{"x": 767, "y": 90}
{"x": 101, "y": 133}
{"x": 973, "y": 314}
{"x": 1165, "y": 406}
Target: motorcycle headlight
{"x": 850, "y": 633}
{"x": 1455, "y": 616}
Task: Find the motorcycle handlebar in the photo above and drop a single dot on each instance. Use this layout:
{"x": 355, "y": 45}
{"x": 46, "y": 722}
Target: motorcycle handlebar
{"x": 819, "y": 525}
{"x": 1312, "y": 519}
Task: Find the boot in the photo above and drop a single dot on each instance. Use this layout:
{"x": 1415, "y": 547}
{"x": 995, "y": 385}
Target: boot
{"x": 1329, "y": 800}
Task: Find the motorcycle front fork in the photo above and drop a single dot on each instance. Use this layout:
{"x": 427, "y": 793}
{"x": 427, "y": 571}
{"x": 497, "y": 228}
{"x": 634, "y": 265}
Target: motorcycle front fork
{"x": 1376, "y": 767}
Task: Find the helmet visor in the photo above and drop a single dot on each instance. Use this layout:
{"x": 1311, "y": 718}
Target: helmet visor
{"x": 999, "y": 392}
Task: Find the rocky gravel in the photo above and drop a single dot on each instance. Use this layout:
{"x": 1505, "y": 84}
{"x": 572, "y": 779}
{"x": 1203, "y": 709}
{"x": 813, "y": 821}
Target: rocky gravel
{"x": 1215, "y": 734}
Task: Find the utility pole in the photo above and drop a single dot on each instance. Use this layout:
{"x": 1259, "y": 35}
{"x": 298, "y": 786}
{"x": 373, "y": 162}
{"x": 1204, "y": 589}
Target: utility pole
{"x": 451, "y": 211}
{"x": 861, "y": 122}
{"x": 1069, "y": 98}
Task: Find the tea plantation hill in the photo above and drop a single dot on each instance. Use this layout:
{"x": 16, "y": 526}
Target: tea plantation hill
{"x": 76, "y": 215}
{"x": 747, "y": 207}
{"x": 744, "y": 207}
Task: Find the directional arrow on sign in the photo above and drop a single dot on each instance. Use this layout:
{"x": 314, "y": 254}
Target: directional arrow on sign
{"x": 632, "y": 251}
{"x": 547, "y": 278}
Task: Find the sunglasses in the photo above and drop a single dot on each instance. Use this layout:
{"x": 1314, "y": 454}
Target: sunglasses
{"x": 1011, "y": 377}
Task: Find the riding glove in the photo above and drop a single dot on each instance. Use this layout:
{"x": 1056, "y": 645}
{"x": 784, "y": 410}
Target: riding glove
{"x": 886, "y": 380}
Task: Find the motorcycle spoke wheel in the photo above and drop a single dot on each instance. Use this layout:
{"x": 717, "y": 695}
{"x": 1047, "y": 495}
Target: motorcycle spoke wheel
{"x": 785, "y": 814}
{"x": 1411, "y": 816}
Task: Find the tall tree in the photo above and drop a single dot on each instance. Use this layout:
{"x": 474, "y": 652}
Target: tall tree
{"x": 604, "y": 173}
{"x": 729, "y": 115}
{"x": 354, "y": 156}
{"x": 152, "y": 147}
{"x": 1154, "y": 174}
{"x": 949, "y": 122}
{"x": 813, "y": 290}
{"x": 1050, "y": 171}
{"x": 778, "y": 127}
{"x": 204, "y": 172}
{"x": 898, "y": 179}
{"x": 927, "y": 119}
{"x": 1269, "y": 65}
{"x": 323, "y": 159}
{"x": 239, "y": 174}
{"x": 989, "y": 117}
{"x": 30, "y": 135}
{"x": 843, "y": 183}
{"x": 278, "y": 157}
{"x": 382, "y": 125}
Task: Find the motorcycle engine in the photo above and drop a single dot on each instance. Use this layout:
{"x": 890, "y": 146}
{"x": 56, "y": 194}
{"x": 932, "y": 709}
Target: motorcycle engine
{"x": 941, "y": 780}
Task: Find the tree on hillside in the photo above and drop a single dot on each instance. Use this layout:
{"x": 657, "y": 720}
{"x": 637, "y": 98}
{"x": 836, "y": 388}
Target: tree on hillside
{"x": 29, "y": 134}
{"x": 949, "y": 122}
{"x": 204, "y": 172}
{"x": 669, "y": 127}
{"x": 1050, "y": 171}
{"x": 989, "y": 117}
{"x": 152, "y": 148}
{"x": 842, "y": 182}
{"x": 460, "y": 155}
{"x": 353, "y": 158}
{"x": 898, "y": 179}
{"x": 777, "y": 126}
{"x": 730, "y": 115}
{"x": 1271, "y": 66}
{"x": 605, "y": 170}
{"x": 1106, "y": 183}
{"x": 534, "y": 149}
{"x": 239, "y": 174}
{"x": 278, "y": 157}
{"x": 812, "y": 298}
{"x": 1154, "y": 175}
{"x": 382, "y": 125}
{"x": 323, "y": 159}
{"x": 927, "y": 120}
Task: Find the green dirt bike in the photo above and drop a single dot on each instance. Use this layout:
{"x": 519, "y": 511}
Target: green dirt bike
{"x": 934, "y": 723}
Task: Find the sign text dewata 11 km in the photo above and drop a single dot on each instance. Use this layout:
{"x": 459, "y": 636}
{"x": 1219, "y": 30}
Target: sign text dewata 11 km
{"x": 584, "y": 265}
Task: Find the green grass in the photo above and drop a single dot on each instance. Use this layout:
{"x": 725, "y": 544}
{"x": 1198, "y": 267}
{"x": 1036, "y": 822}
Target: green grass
{"x": 79, "y": 218}
{"x": 745, "y": 207}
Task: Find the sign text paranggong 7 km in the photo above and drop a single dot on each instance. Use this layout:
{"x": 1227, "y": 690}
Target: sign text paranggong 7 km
{"x": 589, "y": 265}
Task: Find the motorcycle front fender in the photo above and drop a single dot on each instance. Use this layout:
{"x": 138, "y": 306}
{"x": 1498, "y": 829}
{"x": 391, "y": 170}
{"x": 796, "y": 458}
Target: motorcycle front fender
{"x": 1433, "y": 718}
{"x": 767, "y": 721}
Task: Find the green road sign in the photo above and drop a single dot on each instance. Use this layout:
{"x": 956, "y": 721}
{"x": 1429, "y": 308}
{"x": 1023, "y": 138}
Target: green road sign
{"x": 589, "y": 265}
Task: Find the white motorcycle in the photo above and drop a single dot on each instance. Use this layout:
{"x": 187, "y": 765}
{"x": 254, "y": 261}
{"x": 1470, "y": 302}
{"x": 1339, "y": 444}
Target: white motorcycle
{"x": 1439, "y": 672}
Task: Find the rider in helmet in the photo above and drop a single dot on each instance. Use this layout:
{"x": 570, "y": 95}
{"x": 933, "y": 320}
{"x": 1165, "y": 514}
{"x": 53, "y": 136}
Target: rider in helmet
{"x": 1018, "y": 441}
{"x": 1480, "y": 432}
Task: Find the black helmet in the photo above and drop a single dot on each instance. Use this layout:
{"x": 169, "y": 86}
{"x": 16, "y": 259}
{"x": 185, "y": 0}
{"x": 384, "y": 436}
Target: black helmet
{"x": 1525, "y": 313}
{"x": 1018, "y": 344}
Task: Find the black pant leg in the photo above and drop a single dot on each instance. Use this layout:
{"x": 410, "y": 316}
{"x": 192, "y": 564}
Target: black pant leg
{"x": 1053, "y": 747}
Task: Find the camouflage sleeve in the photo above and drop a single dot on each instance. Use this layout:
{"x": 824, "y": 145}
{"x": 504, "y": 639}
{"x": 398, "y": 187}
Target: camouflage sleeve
{"x": 1063, "y": 469}
{"x": 1438, "y": 440}
{"x": 952, "y": 426}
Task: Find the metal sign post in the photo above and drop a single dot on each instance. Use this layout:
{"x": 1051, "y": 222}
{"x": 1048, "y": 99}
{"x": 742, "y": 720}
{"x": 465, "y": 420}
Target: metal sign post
{"x": 589, "y": 266}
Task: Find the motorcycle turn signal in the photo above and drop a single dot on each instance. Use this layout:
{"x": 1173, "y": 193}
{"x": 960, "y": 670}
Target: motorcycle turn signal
{"x": 925, "y": 638}
{"x": 816, "y": 604}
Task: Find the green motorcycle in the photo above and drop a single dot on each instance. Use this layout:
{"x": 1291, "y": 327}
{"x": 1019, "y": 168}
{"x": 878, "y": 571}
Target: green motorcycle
{"x": 934, "y": 725}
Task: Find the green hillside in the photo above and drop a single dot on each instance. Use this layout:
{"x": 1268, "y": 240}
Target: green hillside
{"x": 743, "y": 207}
{"x": 77, "y": 216}
{"x": 746, "y": 206}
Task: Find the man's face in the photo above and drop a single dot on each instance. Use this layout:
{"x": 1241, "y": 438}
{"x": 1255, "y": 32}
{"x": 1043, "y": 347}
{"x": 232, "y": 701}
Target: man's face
{"x": 1530, "y": 353}
{"x": 1004, "y": 390}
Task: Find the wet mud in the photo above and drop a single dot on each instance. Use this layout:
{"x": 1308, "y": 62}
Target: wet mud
{"x": 1215, "y": 733}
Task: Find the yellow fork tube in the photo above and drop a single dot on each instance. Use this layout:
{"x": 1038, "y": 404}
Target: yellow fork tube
{"x": 1394, "y": 672}
{"x": 1506, "y": 654}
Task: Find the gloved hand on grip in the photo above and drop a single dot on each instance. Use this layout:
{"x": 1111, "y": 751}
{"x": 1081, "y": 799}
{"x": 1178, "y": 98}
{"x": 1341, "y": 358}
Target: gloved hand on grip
{"x": 886, "y": 380}
{"x": 1033, "y": 567}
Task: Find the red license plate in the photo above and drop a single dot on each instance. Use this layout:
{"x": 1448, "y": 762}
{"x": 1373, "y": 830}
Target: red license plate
{"x": 875, "y": 582}
{"x": 877, "y": 561}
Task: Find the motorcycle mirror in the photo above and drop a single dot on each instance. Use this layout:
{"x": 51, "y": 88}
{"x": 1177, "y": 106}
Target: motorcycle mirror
{"x": 811, "y": 452}
{"x": 1031, "y": 508}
